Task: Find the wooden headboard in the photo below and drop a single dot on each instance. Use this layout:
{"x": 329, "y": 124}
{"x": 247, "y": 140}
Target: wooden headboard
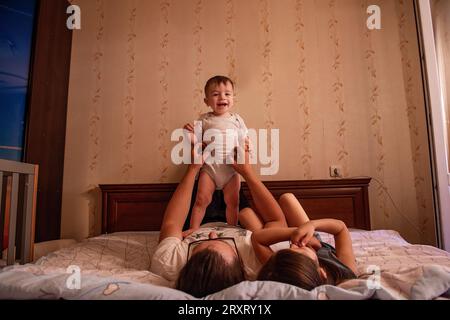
{"x": 140, "y": 207}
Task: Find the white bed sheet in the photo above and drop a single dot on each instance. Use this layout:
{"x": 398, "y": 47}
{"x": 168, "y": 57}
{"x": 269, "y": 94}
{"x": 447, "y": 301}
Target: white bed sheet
{"x": 121, "y": 255}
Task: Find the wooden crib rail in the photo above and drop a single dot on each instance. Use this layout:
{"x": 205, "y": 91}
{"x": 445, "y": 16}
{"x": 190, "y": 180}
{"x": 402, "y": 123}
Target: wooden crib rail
{"x": 10, "y": 201}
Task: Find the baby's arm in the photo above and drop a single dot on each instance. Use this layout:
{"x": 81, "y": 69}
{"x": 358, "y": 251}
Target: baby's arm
{"x": 262, "y": 240}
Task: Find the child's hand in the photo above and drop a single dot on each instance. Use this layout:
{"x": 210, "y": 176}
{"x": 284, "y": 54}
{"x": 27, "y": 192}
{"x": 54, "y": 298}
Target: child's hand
{"x": 303, "y": 234}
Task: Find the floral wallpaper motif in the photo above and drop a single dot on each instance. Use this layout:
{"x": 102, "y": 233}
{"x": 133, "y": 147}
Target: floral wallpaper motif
{"x": 266, "y": 50}
{"x": 97, "y": 93}
{"x": 129, "y": 101}
{"x": 95, "y": 113}
{"x": 338, "y": 88}
{"x": 302, "y": 92}
{"x": 376, "y": 121}
{"x": 163, "y": 135}
{"x": 230, "y": 41}
{"x": 198, "y": 62}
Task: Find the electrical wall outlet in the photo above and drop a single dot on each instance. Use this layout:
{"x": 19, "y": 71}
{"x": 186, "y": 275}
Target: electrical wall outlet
{"x": 335, "y": 171}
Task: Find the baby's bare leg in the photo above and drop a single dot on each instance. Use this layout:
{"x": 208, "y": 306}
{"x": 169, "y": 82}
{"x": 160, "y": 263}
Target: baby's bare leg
{"x": 206, "y": 187}
{"x": 231, "y": 197}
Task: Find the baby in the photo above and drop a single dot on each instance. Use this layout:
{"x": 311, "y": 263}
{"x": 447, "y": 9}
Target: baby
{"x": 219, "y": 93}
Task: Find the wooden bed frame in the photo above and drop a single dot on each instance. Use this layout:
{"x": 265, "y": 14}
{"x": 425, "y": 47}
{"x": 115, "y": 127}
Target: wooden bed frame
{"x": 140, "y": 207}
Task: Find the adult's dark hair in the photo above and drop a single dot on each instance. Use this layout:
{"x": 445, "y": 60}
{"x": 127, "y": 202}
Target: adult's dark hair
{"x": 216, "y": 81}
{"x": 291, "y": 267}
{"x": 208, "y": 272}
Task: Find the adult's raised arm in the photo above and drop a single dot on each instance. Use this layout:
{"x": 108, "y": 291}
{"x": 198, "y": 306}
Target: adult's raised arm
{"x": 178, "y": 206}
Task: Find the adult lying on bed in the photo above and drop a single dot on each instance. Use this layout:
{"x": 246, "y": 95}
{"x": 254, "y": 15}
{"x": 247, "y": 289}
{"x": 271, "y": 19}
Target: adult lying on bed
{"x": 217, "y": 255}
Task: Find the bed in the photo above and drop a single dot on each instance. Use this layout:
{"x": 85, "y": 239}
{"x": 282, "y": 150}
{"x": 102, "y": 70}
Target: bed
{"x": 115, "y": 264}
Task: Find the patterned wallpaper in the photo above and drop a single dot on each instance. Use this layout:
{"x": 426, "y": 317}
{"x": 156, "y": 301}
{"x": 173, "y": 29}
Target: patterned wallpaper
{"x": 339, "y": 93}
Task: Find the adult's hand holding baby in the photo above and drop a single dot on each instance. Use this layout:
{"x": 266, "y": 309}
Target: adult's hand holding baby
{"x": 190, "y": 133}
{"x": 242, "y": 160}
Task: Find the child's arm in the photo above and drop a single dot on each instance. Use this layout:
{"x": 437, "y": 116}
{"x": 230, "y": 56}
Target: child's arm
{"x": 342, "y": 239}
{"x": 302, "y": 235}
{"x": 262, "y": 240}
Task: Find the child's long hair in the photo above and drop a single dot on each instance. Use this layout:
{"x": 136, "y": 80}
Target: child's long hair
{"x": 294, "y": 268}
{"x": 208, "y": 272}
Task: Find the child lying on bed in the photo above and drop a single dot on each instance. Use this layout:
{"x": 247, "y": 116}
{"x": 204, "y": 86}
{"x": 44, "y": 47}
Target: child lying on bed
{"x": 308, "y": 263}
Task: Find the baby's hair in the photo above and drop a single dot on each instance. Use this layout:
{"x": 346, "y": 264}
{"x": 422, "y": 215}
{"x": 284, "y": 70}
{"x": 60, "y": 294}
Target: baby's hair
{"x": 216, "y": 81}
